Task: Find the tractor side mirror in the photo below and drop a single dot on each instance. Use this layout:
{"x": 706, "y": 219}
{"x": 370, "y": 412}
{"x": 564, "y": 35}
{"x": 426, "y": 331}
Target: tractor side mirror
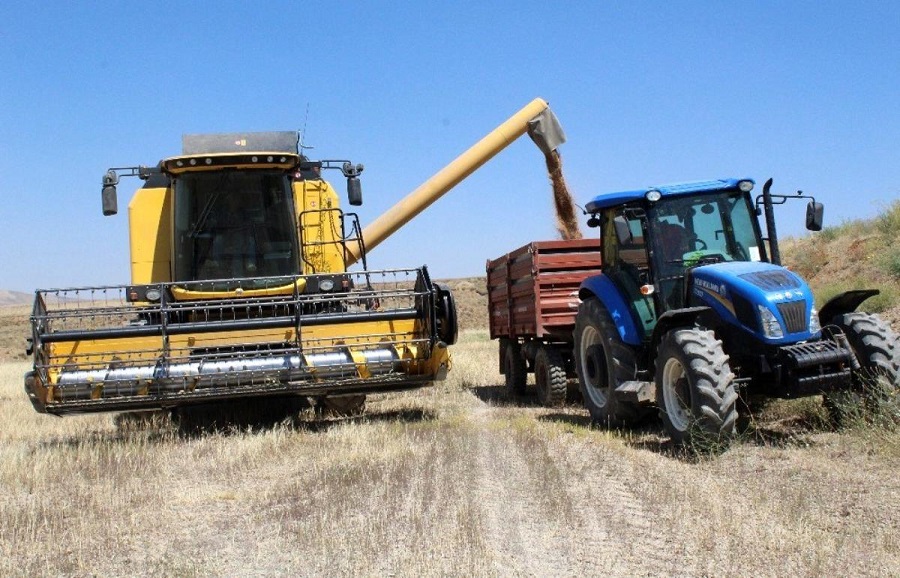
{"x": 623, "y": 231}
{"x": 108, "y": 195}
{"x": 814, "y": 213}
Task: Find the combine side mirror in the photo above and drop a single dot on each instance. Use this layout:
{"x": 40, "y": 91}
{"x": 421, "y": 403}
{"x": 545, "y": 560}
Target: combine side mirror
{"x": 354, "y": 187}
{"x": 623, "y": 231}
{"x": 108, "y": 194}
{"x": 814, "y": 212}
{"x": 354, "y": 191}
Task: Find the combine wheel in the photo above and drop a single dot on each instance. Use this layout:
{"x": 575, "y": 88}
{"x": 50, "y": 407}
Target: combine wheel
{"x": 877, "y": 348}
{"x": 695, "y": 387}
{"x": 550, "y": 377}
{"x": 514, "y": 369}
{"x": 603, "y": 361}
{"x": 344, "y": 406}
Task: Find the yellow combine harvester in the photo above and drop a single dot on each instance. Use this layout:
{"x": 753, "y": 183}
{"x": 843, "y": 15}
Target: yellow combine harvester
{"x": 241, "y": 285}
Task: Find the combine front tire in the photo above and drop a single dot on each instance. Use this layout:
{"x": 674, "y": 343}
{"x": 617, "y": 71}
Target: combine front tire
{"x": 550, "y": 377}
{"x": 695, "y": 387}
{"x": 877, "y": 383}
{"x": 603, "y": 361}
{"x": 344, "y": 405}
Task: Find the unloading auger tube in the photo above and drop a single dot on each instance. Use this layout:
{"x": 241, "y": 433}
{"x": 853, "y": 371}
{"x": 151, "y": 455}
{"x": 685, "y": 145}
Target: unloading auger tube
{"x": 535, "y": 118}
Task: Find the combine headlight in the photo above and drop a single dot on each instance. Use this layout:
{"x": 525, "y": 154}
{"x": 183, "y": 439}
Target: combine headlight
{"x": 326, "y": 285}
{"x": 745, "y": 186}
{"x": 814, "y": 325}
{"x": 769, "y": 323}
{"x": 653, "y": 196}
{"x": 152, "y": 294}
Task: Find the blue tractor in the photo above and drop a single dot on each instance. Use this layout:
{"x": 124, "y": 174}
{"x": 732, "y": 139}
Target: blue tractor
{"x": 693, "y": 305}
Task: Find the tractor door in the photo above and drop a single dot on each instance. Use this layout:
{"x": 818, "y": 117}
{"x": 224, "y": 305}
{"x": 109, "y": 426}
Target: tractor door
{"x": 626, "y": 263}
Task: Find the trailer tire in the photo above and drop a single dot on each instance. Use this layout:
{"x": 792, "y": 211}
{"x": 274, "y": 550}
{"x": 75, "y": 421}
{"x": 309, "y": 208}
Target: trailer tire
{"x": 602, "y": 362}
{"x": 550, "y": 377}
{"x": 514, "y": 369}
{"x": 877, "y": 383}
{"x": 695, "y": 388}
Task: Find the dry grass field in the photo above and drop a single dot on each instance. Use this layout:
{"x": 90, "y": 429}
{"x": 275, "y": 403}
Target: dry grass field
{"x": 454, "y": 480}
{"x": 459, "y": 479}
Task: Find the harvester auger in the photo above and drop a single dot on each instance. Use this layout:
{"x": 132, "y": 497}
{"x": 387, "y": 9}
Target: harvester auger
{"x": 241, "y": 285}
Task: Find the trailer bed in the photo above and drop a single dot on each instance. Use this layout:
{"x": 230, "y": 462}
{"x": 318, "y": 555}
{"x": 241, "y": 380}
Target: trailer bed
{"x": 533, "y": 290}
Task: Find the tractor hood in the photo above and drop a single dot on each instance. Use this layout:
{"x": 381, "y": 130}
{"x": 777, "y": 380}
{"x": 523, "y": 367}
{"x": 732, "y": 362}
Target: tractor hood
{"x": 772, "y": 303}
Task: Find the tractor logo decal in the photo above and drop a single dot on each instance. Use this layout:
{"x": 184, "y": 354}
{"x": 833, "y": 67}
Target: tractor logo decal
{"x": 716, "y": 292}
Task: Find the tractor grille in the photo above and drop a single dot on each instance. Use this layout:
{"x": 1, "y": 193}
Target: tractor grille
{"x": 794, "y": 315}
{"x": 772, "y": 280}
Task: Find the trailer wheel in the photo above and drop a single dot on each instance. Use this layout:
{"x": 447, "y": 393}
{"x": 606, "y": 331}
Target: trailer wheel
{"x": 514, "y": 369}
{"x": 877, "y": 383}
{"x": 550, "y": 377}
{"x": 695, "y": 387}
{"x": 602, "y": 362}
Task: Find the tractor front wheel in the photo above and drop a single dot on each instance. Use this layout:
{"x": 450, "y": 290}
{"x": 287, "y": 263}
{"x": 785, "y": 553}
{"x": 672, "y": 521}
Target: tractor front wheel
{"x": 877, "y": 383}
{"x": 695, "y": 387}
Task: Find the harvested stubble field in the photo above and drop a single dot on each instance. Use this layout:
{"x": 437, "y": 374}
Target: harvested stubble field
{"x": 454, "y": 480}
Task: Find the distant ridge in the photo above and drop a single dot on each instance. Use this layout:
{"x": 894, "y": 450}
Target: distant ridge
{"x": 15, "y": 298}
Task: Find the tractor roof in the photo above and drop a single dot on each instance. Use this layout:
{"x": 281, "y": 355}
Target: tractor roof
{"x": 608, "y": 200}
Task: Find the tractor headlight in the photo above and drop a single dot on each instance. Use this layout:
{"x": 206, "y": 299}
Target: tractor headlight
{"x": 814, "y": 325}
{"x": 745, "y": 186}
{"x": 769, "y": 323}
{"x": 653, "y": 196}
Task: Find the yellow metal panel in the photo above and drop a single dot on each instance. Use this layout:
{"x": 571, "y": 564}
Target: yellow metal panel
{"x": 319, "y": 215}
{"x": 150, "y": 234}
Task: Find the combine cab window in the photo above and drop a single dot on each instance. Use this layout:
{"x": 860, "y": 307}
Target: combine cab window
{"x": 234, "y": 225}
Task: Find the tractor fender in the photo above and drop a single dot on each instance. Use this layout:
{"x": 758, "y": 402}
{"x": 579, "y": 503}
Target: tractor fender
{"x": 845, "y": 302}
{"x": 674, "y": 319}
{"x": 602, "y": 287}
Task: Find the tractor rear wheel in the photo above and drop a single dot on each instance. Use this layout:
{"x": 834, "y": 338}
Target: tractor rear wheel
{"x": 514, "y": 369}
{"x": 877, "y": 383}
{"x": 550, "y": 377}
{"x": 695, "y": 387}
{"x": 603, "y": 361}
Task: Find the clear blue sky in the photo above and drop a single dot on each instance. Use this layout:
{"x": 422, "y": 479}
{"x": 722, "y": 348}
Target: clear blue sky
{"x": 648, "y": 92}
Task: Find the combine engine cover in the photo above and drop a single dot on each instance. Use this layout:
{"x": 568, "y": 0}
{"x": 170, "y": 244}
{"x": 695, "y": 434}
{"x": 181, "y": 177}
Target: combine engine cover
{"x": 97, "y": 349}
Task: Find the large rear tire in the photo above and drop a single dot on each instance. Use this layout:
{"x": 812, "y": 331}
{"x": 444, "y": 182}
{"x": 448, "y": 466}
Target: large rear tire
{"x": 877, "y": 383}
{"x": 514, "y": 369}
{"x": 602, "y": 362}
{"x": 695, "y": 387}
{"x": 550, "y": 377}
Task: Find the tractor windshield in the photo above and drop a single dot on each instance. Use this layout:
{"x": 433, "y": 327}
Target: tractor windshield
{"x": 231, "y": 225}
{"x": 695, "y": 230}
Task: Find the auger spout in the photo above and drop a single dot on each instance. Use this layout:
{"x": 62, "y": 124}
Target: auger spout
{"x": 536, "y": 118}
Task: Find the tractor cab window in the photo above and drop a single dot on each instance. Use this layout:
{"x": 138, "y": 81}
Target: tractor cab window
{"x": 231, "y": 225}
{"x": 694, "y": 230}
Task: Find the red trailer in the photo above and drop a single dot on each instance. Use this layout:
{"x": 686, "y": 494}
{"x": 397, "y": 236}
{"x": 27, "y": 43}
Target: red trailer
{"x": 532, "y": 301}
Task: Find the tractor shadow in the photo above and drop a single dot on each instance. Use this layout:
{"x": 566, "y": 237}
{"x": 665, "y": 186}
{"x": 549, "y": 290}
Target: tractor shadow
{"x": 497, "y": 395}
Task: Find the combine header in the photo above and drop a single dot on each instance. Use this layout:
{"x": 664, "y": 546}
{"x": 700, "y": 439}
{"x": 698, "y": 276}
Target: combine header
{"x": 241, "y": 285}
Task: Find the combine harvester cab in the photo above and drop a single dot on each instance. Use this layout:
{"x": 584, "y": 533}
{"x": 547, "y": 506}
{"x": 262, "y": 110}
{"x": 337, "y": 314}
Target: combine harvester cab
{"x": 241, "y": 285}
